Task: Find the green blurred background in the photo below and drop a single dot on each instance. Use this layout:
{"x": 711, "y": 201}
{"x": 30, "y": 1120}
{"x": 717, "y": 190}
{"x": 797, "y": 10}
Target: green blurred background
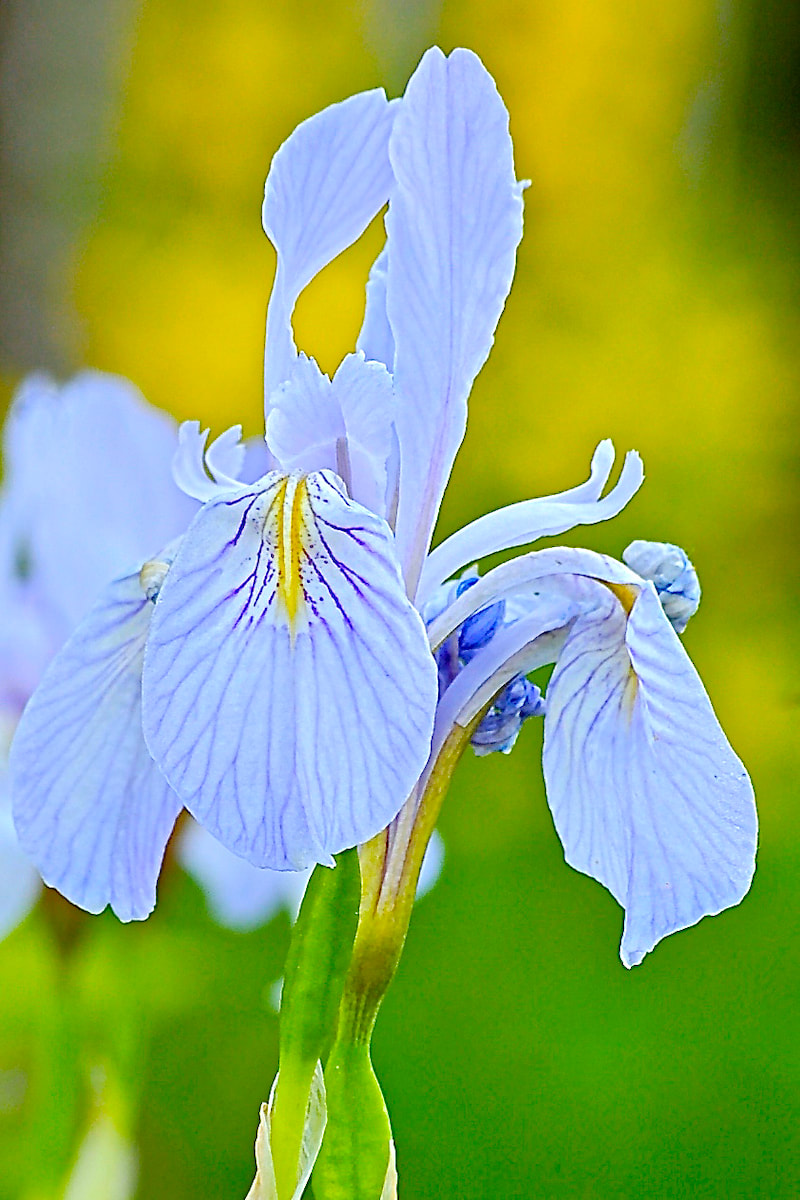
{"x": 656, "y": 301}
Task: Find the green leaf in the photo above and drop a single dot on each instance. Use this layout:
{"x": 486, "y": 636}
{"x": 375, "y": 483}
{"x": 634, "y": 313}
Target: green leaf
{"x": 316, "y": 965}
{"x": 355, "y": 1155}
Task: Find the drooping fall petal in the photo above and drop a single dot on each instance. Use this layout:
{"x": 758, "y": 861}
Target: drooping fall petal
{"x": 90, "y": 806}
{"x": 289, "y": 689}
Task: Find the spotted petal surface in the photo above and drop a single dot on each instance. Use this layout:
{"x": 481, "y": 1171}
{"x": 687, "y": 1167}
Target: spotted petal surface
{"x": 647, "y": 795}
{"x": 289, "y": 690}
{"x": 90, "y": 806}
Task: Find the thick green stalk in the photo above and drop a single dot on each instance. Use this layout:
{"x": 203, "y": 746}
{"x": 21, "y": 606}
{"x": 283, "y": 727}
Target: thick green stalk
{"x": 355, "y": 1151}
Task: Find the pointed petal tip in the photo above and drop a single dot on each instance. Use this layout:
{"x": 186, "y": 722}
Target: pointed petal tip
{"x": 636, "y": 467}
{"x": 604, "y": 452}
{"x": 455, "y": 185}
{"x": 637, "y": 943}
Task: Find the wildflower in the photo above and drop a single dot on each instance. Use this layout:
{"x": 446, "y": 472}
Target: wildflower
{"x": 104, "y": 455}
{"x": 289, "y": 696}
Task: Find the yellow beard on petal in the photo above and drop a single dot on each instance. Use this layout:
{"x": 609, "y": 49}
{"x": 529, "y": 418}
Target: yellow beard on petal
{"x": 630, "y": 693}
{"x": 293, "y": 525}
{"x": 627, "y": 595}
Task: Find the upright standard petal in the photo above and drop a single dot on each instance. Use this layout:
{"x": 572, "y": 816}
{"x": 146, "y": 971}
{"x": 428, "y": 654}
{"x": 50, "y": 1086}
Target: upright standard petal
{"x": 289, "y": 690}
{"x": 326, "y": 183}
{"x": 344, "y": 424}
{"x": 547, "y": 516}
{"x": 647, "y": 795}
{"x": 376, "y": 340}
{"x": 90, "y": 806}
{"x": 453, "y": 226}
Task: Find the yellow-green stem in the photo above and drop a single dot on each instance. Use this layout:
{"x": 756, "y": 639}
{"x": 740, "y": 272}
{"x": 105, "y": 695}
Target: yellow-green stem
{"x": 389, "y": 877}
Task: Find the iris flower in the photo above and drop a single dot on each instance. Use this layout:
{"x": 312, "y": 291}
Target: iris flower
{"x": 91, "y": 455}
{"x": 290, "y": 668}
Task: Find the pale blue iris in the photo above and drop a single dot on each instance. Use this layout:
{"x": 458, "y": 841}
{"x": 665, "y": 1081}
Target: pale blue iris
{"x": 105, "y": 454}
{"x": 290, "y": 669}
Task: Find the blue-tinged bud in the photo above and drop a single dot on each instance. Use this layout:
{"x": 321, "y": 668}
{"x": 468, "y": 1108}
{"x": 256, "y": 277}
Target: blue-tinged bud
{"x": 476, "y": 632}
{"x": 673, "y": 575}
{"x": 499, "y": 729}
{"x": 479, "y": 629}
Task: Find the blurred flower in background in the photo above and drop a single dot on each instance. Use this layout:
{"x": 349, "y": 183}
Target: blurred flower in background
{"x": 88, "y": 491}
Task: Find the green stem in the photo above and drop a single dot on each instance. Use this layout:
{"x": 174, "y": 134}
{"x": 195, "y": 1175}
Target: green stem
{"x": 355, "y": 1151}
{"x": 390, "y": 874}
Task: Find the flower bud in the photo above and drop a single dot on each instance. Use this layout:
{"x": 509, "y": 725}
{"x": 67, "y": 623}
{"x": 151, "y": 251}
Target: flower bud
{"x": 674, "y": 577}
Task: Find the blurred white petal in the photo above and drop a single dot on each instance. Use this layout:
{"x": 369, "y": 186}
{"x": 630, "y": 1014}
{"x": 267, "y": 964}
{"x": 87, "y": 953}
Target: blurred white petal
{"x": 20, "y": 882}
{"x": 454, "y": 222}
{"x": 239, "y": 895}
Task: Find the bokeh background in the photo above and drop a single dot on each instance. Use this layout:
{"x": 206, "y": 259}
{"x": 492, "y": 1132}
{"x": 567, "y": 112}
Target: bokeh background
{"x": 656, "y": 301}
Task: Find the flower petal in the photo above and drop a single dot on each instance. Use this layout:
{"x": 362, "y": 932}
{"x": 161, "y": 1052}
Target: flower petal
{"x": 344, "y": 424}
{"x": 453, "y": 226}
{"x": 365, "y": 393}
{"x": 432, "y": 863}
{"x": 225, "y": 455}
{"x": 531, "y": 578}
{"x": 376, "y": 340}
{"x": 90, "y": 806}
{"x": 547, "y": 516}
{"x": 30, "y": 634}
{"x": 289, "y": 690}
{"x": 89, "y": 489}
{"x": 240, "y": 896}
{"x": 305, "y": 422}
{"x": 647, "y": 795}
{"x": 530, "y": 642}
{"x": 203, "y": 473}
{"x": 326, "y": 183}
